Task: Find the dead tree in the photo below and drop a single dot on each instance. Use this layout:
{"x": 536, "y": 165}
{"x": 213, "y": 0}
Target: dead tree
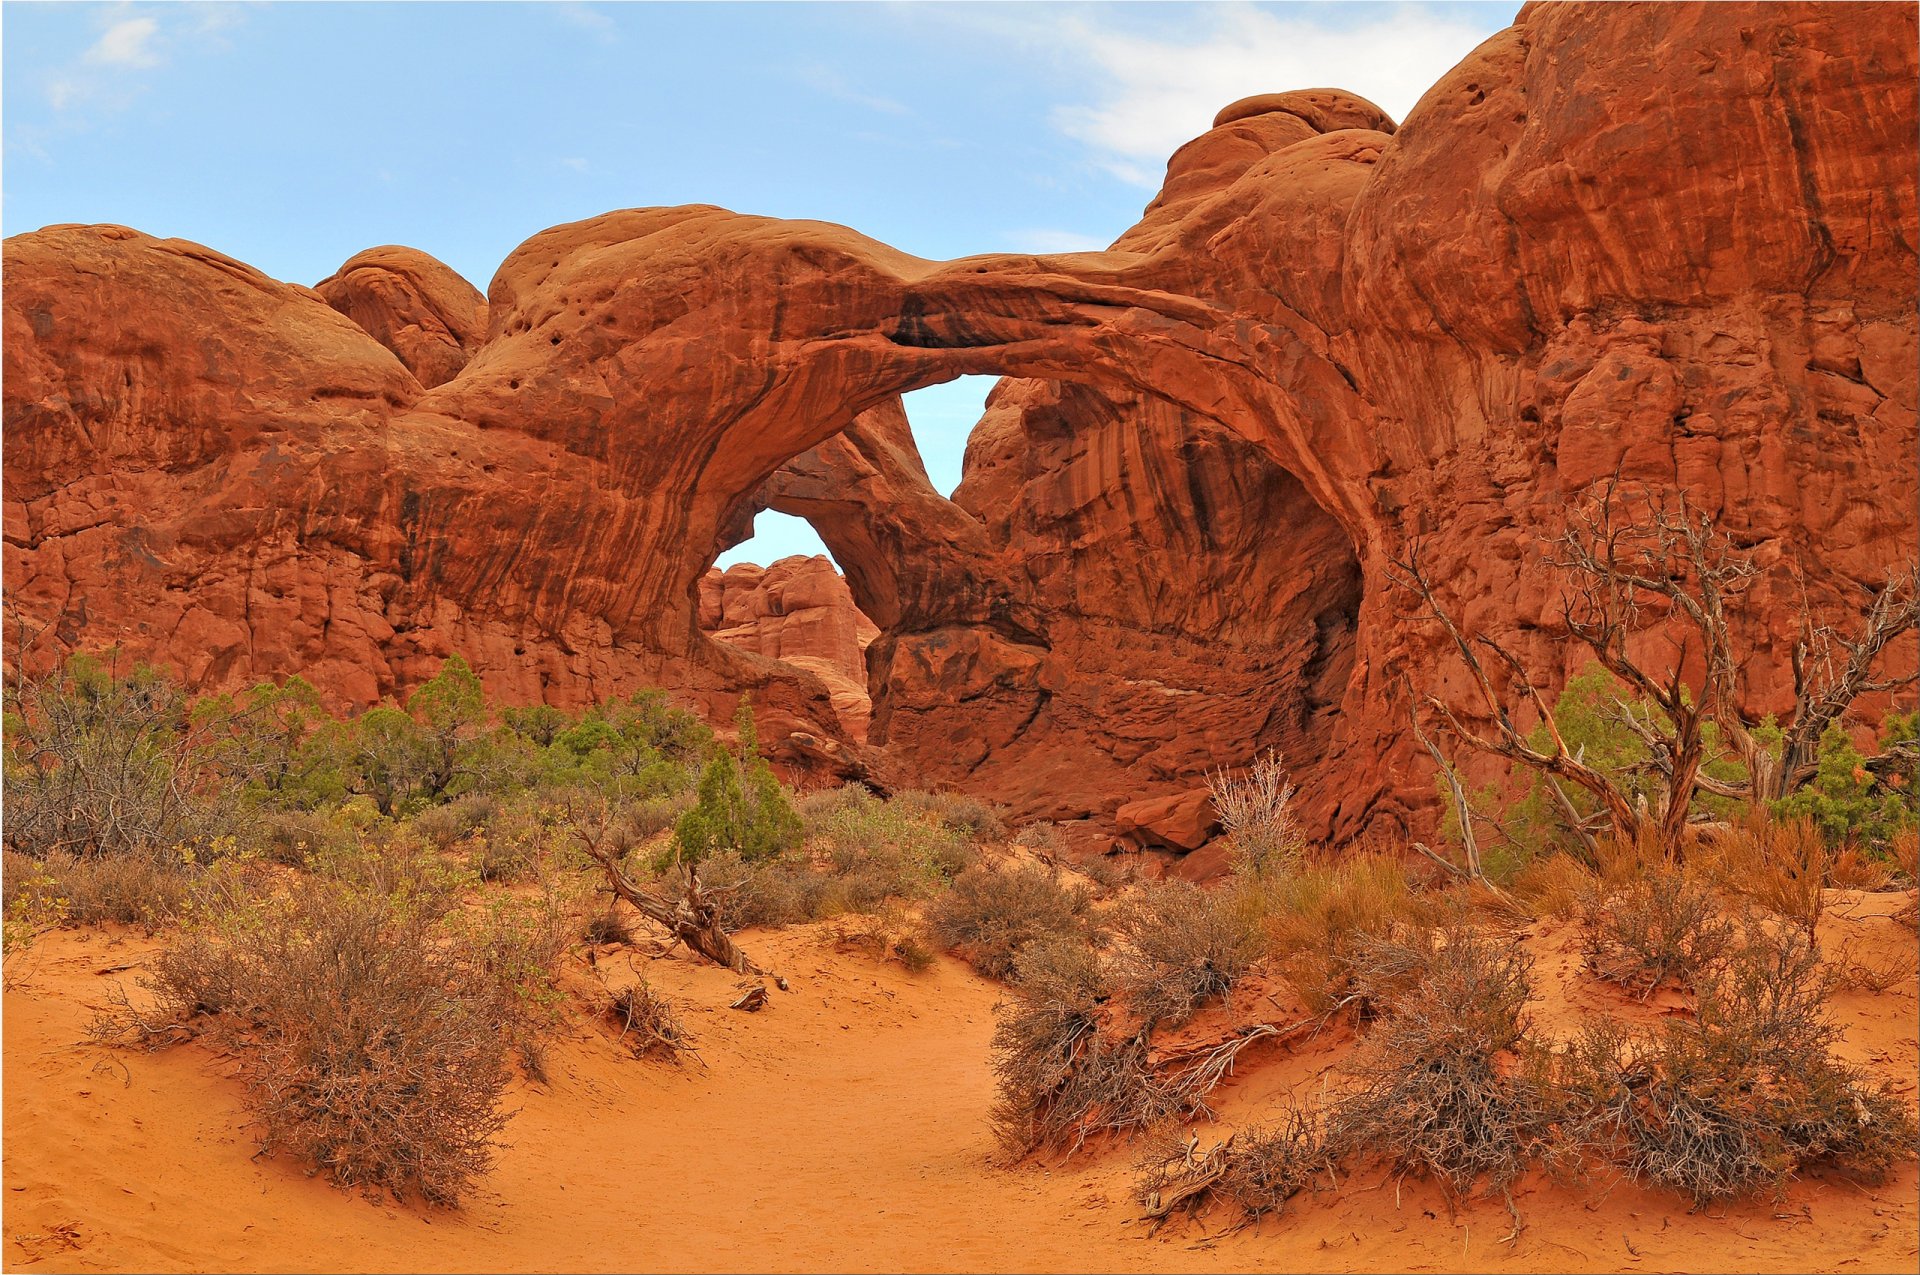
{"x": 693, "y": 918}
{"x": 1665, "y": 567}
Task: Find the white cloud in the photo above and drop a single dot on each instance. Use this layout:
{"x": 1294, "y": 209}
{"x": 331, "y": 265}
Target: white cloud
{"x": 1160, "y": 92}
{"x": 833, "y": 84}
{"x": 1045, "y": 240}
{"x": 127, "y": 43}
{"x": 1147, "y": 84}
{"x": 588, "y": 18}
{"x": 574, "y": 162}
{"x": 104, "y": 77}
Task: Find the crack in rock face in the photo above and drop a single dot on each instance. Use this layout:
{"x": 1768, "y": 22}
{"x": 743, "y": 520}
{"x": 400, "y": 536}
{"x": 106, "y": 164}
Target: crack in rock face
{"x": 1671, "y": 244}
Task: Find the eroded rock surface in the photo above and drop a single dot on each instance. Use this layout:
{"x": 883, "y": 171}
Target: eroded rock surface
{"x": 1671, "y": 243}
{"x": 797, "y": 611}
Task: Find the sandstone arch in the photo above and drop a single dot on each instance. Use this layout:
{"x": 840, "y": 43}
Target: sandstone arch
{"x": 1449, "y": 329}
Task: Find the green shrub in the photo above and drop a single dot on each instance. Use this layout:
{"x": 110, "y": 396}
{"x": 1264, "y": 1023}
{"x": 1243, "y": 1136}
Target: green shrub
{"x": 1851, "y": 804}
{"x": 738, "y": 805}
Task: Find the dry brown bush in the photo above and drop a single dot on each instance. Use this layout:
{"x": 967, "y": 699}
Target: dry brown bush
{"x": 1737, "y": 1100}
{"x": 367, "y": 1033}
{"x": 892, "y": 933}
{"x": 991, "y": 914}
{"x": 1181, "y": 946}
{"x": 648, "y": 1023}
{"x": 1255, "y": 1170}
{"x": 607, "y": 927}
{"x": 1062, "y": 1078}
{"x": 134, "y": 887}
{"x": 1449, "y": 1084}
{"x": 1666, "y": 927}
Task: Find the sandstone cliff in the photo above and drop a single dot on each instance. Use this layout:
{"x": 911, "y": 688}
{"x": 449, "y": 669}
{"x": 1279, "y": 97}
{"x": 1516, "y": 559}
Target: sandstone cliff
{"x": 1676, "y": 243}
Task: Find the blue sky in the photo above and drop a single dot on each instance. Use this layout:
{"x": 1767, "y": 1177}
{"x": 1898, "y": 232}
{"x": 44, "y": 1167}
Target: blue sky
{"x": 294, "y": 135}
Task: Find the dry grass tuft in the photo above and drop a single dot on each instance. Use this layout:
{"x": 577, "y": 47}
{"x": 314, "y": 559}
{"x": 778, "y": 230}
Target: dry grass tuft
{"x": 1317, "y": 918}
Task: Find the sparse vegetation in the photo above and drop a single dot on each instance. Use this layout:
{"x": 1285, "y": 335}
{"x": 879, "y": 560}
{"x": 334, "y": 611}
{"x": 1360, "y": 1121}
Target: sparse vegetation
{"x": 1256, "y": 810}
{"x": 647, "y": 1023}
{"x": 1738, "y": 1099}
{"x": 991, "y": 915}
{"x": 1255, "y": 1170}
{"x": 1181, "y": 946}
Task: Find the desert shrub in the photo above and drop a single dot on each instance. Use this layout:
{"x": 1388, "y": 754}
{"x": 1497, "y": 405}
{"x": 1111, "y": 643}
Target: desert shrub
{"x": 1849, "y": 803}
{"x": 102, "y": 765}
{"x": 1106, "y": 871}
{"x": 1449, "y": 1085}
{"x": 782, "y": 891}
{"x": 891, "y": 933}
{"x": 1256, "y": 810}
{"x": 31, "y": 901}
{"x": 991, "y": 915}
{"x": 1061, "y": 1079}
{"x": 878, "y": 850}
{"x": 607, "y": 928}
{"x": 647, "y": 1022}
{"x": 1738, "y": 1099}
{"x": 1043, "y": 836}
{"x": 365, "y": 1029}
{"x": 442, "y": 826}
{"x": 1317, "y": 918}
{"x": 1181, "y": 946}
{"x": 978, "y": 821}
{"x": 1255, "y": 1170}
{"x": 1666, "y": 926}
{"x": 738, "y": 805}
{"x": 291, "y": 836}
{"x": 514, "y": 944}
{"x": 137, "y": 888}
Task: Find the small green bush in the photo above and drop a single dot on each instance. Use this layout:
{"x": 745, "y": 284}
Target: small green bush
{"x": 738, "y": 805}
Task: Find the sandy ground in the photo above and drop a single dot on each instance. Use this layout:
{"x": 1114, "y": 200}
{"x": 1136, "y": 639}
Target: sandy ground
{"x": 845, "y": 1128}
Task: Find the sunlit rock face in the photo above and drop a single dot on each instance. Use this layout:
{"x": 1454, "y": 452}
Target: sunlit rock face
{"x": 1670, "y": 243}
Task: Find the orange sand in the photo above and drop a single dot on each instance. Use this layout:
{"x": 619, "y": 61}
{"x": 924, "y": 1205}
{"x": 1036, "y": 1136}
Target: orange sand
{"x": 845, "y": 1128}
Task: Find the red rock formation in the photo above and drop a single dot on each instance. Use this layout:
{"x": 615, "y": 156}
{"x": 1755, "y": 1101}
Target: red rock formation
{"x": 1675, "y": 242}
{"x": 416, "y": 306}
{"x": 797, "y": 611}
